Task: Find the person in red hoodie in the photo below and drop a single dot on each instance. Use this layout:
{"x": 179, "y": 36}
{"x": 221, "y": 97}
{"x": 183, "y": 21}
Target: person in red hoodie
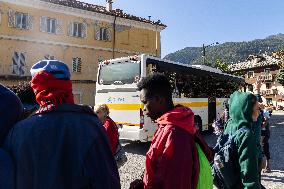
{"x": 102, "y": 111}
{"x": 172, "y": 161}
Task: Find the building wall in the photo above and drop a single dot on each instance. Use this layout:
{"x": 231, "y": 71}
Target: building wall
{"x": 35, "y": 45}
{"x": 276, "y": 96}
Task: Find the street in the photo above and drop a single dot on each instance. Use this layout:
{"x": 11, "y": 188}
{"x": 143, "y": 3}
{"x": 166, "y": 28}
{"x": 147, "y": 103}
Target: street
{"x": 136, "y": 157}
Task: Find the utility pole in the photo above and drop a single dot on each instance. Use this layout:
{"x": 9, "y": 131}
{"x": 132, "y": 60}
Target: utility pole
{"x": 204, "y": 51}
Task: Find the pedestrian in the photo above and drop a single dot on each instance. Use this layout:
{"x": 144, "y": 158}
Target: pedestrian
{"x": 256, "y": 127}
{"x": 178, "y": 156}
{"x": 219, "y": 124}
{"x": 63, "y": 145}
{"x": 265, "y": 136}
{"x": 102, "y": 111}
{"x": 111, "y": 128}
{"x": 244, "y": 109}
{"x": 25, "y": 93}
{"x": 10, "y": 110}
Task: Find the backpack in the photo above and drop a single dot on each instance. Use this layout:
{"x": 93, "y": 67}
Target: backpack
{"x": 225, "y": 170}
{"x": 205, "y": 179}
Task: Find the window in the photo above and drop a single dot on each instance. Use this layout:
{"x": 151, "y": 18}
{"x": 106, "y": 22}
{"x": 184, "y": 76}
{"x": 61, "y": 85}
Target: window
{"x": 250, "y": 87}
{"x": 19, "y": 64}
{"x": 126, "y": 72}
{"x": 78, "y": 29}
{"x": 76, "y": 64}
{"x": 103, "y": 34}
{"x": 268, "y": 85}
{"x": 22, "y": 20}
{"x": 267, "y": 71}
{"x": 250, "y": 74}
{"x": 269, "y": 101}
{"x": 48, "y": 25}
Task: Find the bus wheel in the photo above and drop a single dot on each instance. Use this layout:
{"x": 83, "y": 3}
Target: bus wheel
{"x": 198, "y": 123}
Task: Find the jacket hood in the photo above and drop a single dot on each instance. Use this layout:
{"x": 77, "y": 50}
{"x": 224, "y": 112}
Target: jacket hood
{"x": 240, "y": 110}
{"x": 11, "y": 110}
{"x": 181, "y": 117}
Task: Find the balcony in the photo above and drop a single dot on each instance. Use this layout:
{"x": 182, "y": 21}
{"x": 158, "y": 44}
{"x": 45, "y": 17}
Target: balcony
{"x": 268, "y": 92}
{"x": 267, "y": 77}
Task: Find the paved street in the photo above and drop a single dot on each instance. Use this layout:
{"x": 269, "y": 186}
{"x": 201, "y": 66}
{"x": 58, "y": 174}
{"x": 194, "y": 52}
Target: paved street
{"x": 275, "y": 180}
{"x": 136, "y": 157}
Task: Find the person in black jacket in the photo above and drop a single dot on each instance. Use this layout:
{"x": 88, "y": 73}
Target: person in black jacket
{"x": 63, "y": 145}
{"x": 10, "y": 112}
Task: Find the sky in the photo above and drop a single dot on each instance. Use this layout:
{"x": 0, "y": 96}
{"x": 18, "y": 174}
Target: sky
{"x": 191, "y": 23}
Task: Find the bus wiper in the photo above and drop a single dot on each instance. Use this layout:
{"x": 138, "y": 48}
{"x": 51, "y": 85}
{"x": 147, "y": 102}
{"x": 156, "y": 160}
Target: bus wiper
{"x": 118, "y": 82}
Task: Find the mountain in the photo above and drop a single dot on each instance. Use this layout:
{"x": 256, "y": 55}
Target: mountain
{"x": 229, "y": 52}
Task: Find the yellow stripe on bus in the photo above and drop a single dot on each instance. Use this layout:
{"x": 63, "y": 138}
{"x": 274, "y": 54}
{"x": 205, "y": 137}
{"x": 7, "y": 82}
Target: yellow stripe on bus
{"x": 125, "y": 106}
{"x": 192, "y": 104}
{"x": 218, "y": 103}
{"x": 138, "y": 106}
{"x": 128, "y": 124}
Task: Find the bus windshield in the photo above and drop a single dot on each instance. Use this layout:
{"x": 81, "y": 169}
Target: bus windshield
{"x": 126, "y": 72}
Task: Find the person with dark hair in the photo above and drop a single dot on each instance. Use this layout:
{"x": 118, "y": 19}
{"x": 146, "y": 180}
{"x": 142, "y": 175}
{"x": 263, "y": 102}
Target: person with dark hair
{"x": 25, "y": 92}
{"x": 63, "y": 145}
{"x": 10, "y": 110}
{"x": 178, "y": 156}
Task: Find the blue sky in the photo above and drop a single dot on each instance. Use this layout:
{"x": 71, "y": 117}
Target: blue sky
{"x": 194, "y": 22}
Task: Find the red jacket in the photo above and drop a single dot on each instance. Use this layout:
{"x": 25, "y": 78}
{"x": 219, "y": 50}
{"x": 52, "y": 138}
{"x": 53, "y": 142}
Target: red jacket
{"x": 172, "y": 161}
{"x": 112, "y": 132}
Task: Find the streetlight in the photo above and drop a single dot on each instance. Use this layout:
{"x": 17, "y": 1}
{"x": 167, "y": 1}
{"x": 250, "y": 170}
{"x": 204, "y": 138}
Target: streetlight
{"x": 204, "y": 48}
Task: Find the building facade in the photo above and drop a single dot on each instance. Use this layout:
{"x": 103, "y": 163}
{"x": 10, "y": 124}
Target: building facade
{"x": 76, "y": 33}
{"x": 264, "y": 68}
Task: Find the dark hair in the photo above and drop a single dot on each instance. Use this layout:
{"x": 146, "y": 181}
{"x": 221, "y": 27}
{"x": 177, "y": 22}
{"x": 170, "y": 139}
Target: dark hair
{"x": 156, "y": 84}
{"x": 25, "y": 92}
{"x": 254, "y": 99}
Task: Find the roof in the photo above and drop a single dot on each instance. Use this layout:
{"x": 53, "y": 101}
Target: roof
{"x": 255, "y": 61}
{"x": 200, "y": 70}
{"x": 103, "y": 10}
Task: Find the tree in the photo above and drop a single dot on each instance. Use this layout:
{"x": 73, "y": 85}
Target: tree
{"x": 222, "y": 65}
{"x": 280, "y": 77}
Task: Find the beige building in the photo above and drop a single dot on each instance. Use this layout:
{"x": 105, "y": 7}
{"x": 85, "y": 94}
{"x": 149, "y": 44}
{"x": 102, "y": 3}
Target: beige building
{"x": 77, "y": 33}
{"x": 265, "y": 68}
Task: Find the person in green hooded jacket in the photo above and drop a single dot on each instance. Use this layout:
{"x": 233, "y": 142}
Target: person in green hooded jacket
{"x": 243, "y": 110}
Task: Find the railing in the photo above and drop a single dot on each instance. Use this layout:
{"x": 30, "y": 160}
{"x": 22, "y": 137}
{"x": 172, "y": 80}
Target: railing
{"x": 268, "y": 77}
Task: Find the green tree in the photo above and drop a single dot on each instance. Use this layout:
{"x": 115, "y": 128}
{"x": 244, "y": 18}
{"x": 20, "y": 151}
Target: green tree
{"x": 222, "y": 65}
{"x": 280, "y": 77}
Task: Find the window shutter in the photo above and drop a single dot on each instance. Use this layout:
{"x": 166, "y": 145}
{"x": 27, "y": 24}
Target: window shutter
{"x": 70, "y": 29}
{"x": 11, "y": 18}
{"x": 30, "y": 22}
{"x": 74, "y": 65}
{"x": 84, "y": 30}
{"x": 59, "y": 27}
{"x": 108, "y": 34}
{"x": 79, "y": 64}
{"x": 97, "y": 35}
{"x": 43, "y": 27}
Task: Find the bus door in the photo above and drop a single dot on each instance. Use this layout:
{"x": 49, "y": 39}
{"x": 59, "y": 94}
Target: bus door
{"x": 211, "y": 111}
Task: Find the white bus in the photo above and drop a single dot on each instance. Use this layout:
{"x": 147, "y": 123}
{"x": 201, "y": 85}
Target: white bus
{"x": 202, "y": 88}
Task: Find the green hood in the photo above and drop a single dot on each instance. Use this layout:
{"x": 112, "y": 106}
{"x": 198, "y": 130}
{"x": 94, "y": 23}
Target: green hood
{"x": 240, "y": 111}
